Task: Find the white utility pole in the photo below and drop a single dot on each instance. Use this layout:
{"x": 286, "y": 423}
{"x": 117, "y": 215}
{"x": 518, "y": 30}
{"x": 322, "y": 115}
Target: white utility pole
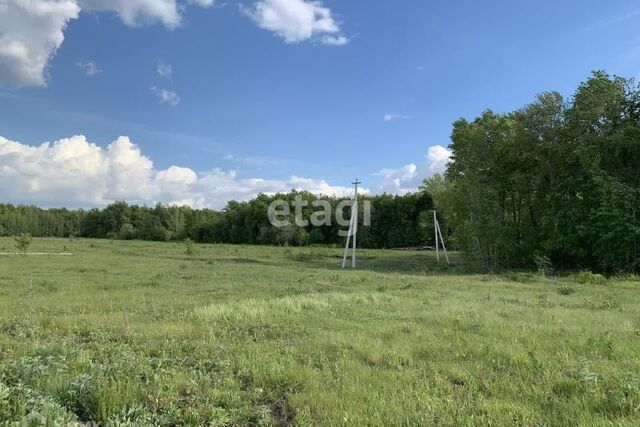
{"x": 435, "y": 228}
{"x": 353, "y": 229}
{"x": 439, "y": 239}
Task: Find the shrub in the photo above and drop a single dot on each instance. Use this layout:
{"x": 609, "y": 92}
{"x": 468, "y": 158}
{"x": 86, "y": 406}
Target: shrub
{"x": 587, "y": 277}
{"x": 188, "y": 247}
{"x": 127, "y": 232}
{"x": 543, "y": 263}
{"x": 23, "y": 242}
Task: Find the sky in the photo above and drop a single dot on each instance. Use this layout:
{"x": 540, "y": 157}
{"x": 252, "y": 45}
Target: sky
{"x": 204, "y": 101}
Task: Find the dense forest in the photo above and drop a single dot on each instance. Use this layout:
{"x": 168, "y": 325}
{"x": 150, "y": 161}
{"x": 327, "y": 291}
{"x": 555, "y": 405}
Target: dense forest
{"x": 556, "y": 181}
{"x": 553, "y": 184}
{"x": 396, "y": 221}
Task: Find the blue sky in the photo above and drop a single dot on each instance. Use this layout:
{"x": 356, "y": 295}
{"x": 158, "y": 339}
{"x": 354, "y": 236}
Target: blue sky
{"x": 256, "y": 92}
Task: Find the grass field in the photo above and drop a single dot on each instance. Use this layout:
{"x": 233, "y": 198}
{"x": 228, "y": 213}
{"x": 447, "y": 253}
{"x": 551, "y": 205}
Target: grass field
{"x": 141, "y": 333}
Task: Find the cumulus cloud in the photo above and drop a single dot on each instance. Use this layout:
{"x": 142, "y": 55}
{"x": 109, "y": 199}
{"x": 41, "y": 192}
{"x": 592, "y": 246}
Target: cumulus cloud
{"x": 31, "y": 31}
{"x": 438, "y": 157}
{"x": 76, "y": 172}
{"x": 298, "y": 20}
{"x": 90, "y": 68}
{"x": 398, "y": 181}
{"x": 408, "y": 178}
{"x": 166, "y": 96}
{"x": 320, "y": 186}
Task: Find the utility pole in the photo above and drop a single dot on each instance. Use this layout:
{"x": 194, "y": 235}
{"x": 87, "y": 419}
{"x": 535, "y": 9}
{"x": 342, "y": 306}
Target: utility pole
{"x": 435, "y": 229}
{"x": 353, "y": 229}
{"x": 439, "y": 239}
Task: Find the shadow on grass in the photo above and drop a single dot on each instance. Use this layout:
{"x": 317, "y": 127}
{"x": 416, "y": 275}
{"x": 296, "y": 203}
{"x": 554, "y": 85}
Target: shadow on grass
{"x": 413, "y": 263}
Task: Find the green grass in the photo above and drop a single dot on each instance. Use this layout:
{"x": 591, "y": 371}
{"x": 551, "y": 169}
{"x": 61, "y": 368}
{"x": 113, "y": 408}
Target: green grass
{"x": 141, "y": 333}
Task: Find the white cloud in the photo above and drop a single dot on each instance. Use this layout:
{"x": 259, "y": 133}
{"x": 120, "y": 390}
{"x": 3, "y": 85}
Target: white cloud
{"x": 166, "y": 96}
{"x": 298, "y": 20}
{"x": 398, "y": 181}
{"x": 320, "y": 186}
{"x": 438, "y": 158}
{"x": 389, "y": 117}
{"x": 76, "y": 172}
{"x": 334, "y": 40}
{"x": 31, "y": 31}
{"x": 203, "y": 3}
{"x": 164, "y": 70}
{"x": 408, "y": 178}
{"x": 138, "y": 12}
{"x": 90, "y": 68}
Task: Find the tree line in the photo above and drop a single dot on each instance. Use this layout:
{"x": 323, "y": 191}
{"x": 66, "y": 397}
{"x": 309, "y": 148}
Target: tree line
{"x": 553, "y": 184}
{"x": 396, "y": 221}
{"x": 557, "y": 181}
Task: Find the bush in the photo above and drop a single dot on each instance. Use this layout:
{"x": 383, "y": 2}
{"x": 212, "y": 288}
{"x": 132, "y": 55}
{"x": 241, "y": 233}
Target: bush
{"x": 23, "y": 242}
{"x": 587, "y": 277}
{"x": 543, "y": 263}
{"x": 188, "y": 247}
{"x": 128, "y": 232}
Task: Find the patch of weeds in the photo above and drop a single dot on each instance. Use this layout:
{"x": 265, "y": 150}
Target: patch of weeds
{"x": 567, "y": 388}
{"x": 584, "y": 374}
{"x": 622, "y": 400}
{"x": 19, "y": 329}
{"x": 84, "y": 333}
{"x": 544, "y": 301}
{"x": 150, "y": 284}
{"x": 30, "y": 368}
{"x": 47, "y": 285}
{"x": 182, "y": 275}
{"x": 600, "y": 346}
{"x": 587, "y": 277}
{"x": 566, "y": 290}
{"x": 604, "y": 305}
{"x": 101, "y": 400}
{"x": 520, "y": 277}
{"x": 457, "y": 382}
{"x": 20, "y": 405}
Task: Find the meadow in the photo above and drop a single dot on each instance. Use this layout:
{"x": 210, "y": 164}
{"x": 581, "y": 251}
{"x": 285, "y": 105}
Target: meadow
{"x": 141, "y": 333}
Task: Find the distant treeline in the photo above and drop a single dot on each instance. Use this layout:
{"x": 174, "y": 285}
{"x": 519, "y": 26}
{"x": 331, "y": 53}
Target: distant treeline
{"x": 396, "y": 221}
{"x": 554, "y": 182}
